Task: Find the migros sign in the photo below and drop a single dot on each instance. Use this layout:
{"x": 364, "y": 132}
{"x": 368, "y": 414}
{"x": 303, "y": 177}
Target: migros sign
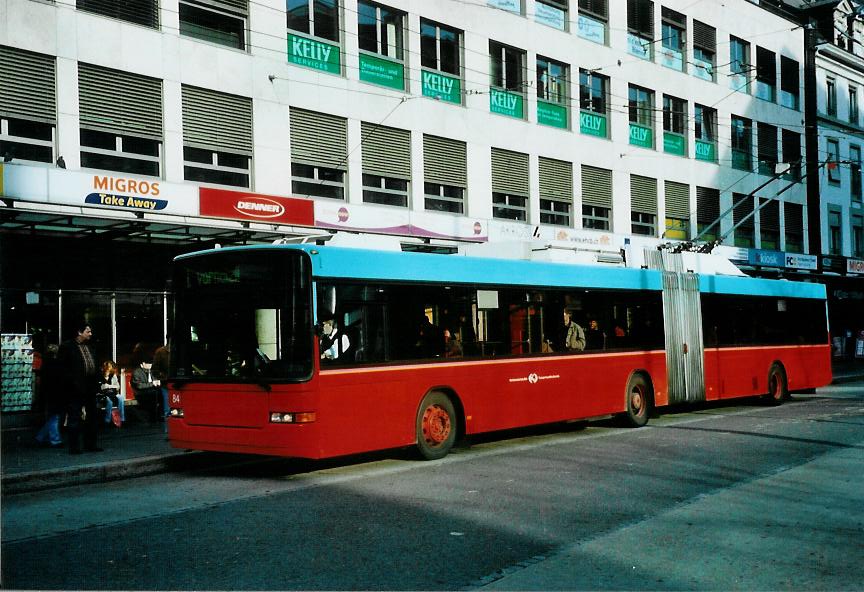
{"x": 120, "y": 192}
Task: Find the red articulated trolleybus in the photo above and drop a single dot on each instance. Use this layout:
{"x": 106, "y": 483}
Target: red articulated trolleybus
{"x": 318, "y": 351}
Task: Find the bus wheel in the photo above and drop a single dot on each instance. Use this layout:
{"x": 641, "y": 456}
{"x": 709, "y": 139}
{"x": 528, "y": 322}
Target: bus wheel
{"x": 436, "y": 426}
{"x": 638, "y": 401}
{"x": 778, "y": 387}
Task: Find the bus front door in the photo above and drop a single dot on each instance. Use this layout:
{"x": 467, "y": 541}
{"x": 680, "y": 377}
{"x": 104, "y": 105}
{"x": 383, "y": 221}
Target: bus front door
{"x": 682, "y": 313}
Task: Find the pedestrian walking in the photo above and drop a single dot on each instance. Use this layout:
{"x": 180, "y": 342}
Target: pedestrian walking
{"x": 80, "y": 384}
{"x": 52, "y": 395}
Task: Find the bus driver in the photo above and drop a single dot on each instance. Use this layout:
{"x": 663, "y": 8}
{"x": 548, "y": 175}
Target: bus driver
{"x": 332, "y": 343}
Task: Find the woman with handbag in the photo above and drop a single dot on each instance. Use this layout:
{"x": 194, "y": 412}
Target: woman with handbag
{"x": 109, "y": 389}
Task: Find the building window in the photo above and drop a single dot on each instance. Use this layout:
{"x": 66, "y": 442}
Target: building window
{"x": 317, "y": 181}
{"x": 445, "y": 174}
{"x": 444, "y": 198}
{"x": 641, "y": 114}
{"x": 319, "y": 18}
{"x": 677, "y": 210}
{"x": 766, "y": 74}
{"x": 704, "y": 51}
{"x": 674, "y": 125}
{"x": 769, "y": 223}
{"x": 22, "y": 139}
{"x": 510, "y": 186}
{"x": 640, "y": 28}
{"x": 593, "y": 102}
{"x": 705, "y": 128}
{"x": 742, "y": 143}
{"x": 140, "y": 12}
{"x": 507, "y": 79}
{"x": 766, "y": 148}
{"x": 855, "y": 172}
{"x": 739, "y": 64}
{"x": 556, "y": 191}
{"x": 792, "y": 154}
{"x": 742, "y": 218}
{"x": 835, "y": 231}
{"x": 674, "y": 37}
{"x": 440, "y": 49}
{"x": 593, "y": 20}
{"x": 596, "y": 218}
{"x": 643, "y": 224}
{"x": 707, "y": 213}
{"x": 831, "y": 97}
{"x": 216, "y": 22}
{"x": 553, "y": 13}
{"x": 853, "y": 105}
{"x": 381, "y": 30}
{"x": 794, "y": 224}
{"x": 857, "y": 236}
{"x": 552, "y": 92}
{"x": 385, "y": 190}
{"x": 221, "y": 168}
{"x": 833, "y": 160}
{"x": 115, "y": 152}
{"x": 789, "y": 81}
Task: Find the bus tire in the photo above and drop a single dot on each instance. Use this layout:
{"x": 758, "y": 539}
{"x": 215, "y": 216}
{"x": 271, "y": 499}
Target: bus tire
{"x": 435, "y": 426}
{"x": 778, "y": 386}
{"x": 639, "y": 396}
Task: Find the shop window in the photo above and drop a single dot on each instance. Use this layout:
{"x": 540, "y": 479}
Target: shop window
{"x": 674, "y": 125}
{"x": 789, "y": 81}
{"x": 593, "y": 20}
{"x": 641, "y": 114}
{"x": 507, "y": 79}
{"x": 739, "y": 65}
{"x": 674, "y": 38}
{"x": 742, "y": 143}
{"x": 216, "y": 22}
{"x": 794, "y": 227}
{"x": 385, "y": 190}
{"x": 704, "y": 51}
{"x": 593, "y": 103}
{"x": 440, "y": 51}
{"x": 766, "y": 74}
{"x": 833, "y": 161}
{"x": 317, "y": 181}
{"x": 766, "y": 135}
{"x": 831, "y": 97}
{"x": 221, "y": 168}
{"x": 640, "y": 28}
{"x": 835, "y": 231}
{"x": 21, "y": 139}
{"x": 140, "y": 12}
{"x": 596, "y": 218}
{"x": 319, "y": 18}
{"x": 444, "y": 198}
{"x": 791, "y": 145}
{"x": 121, "y": 153}
{"x": 381, "y": 30}
{"x": 553, "y": 13}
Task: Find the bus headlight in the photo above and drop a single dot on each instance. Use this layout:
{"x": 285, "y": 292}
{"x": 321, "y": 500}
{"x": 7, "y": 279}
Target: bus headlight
{"x": 285, "y": 417}
{"x": 176, "y": 412}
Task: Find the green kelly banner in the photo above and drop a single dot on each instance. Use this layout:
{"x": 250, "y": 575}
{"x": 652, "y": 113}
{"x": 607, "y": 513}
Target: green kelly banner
{"x": 674, "y": 144}
{"x": 506, "y": 103}
{"x": 443, "y": 87}
{"x": 384, "y": 72}
{"x": 706, "y": 151}
{"x": 593, "y": 124}
{"x": 552, "y": 114}
{"x": 313, "y": 54}
{"x": 641, "y": 136}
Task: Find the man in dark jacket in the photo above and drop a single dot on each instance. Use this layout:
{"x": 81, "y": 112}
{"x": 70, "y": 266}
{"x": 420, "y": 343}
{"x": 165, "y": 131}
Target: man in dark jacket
{"x": 80, "y": 379}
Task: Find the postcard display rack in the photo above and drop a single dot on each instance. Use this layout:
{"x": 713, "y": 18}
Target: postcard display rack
{"x": 16, "y": 386}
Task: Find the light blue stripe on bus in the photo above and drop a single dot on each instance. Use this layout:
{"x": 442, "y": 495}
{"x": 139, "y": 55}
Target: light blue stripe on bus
{"x": 340, "y": 262}
{"x": 335, "y": 262}
{"x": 725, "y": 284}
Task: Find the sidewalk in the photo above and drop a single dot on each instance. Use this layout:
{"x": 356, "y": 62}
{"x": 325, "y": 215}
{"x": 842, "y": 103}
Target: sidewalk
{"x": 138, "y": 449}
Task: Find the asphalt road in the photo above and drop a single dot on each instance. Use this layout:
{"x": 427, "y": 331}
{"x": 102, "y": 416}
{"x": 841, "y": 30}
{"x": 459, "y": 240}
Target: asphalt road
{"x": 721, "y": 497}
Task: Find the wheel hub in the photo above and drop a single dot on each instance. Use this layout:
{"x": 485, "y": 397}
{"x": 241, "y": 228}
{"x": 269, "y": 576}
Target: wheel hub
{"x": 636, "y": 400}
{"x": 436, "y": 425}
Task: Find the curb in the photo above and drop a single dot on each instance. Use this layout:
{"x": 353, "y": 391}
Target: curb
{"x": 101, "y": 472}
{"x": 847, "y": 378}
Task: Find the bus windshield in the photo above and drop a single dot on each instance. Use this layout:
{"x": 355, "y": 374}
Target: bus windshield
{"x": 243, "y": 317}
